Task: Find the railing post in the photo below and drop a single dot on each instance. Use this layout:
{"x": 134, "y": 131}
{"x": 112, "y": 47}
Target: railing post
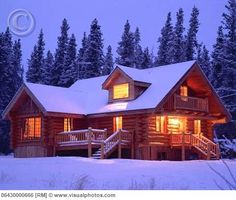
{"x": 89, "y": 142}
{"x": 54, "y": 144}
{"x": 208, "y": 151}
{"x": 217, "y": 151}
{"x": 105, "y": 134}
{"x": 183, "y": 147}
{"x": 102, "y": 150}
{"x": 119, "y": 145}
{"x": 132, "y": 145}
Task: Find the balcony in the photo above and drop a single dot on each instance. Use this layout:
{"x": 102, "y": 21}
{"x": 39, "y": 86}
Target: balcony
{"x": 191, "y": 103}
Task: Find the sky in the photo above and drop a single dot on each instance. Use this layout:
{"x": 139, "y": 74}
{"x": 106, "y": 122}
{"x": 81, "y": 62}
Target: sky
{"x": 148, "y": 15}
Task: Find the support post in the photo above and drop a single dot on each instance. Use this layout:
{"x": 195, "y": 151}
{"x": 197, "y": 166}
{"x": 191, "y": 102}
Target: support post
{"x": 217, "y": 151}
{"x": 102, "y": 150}
{"x": 105, "y": 134}
{"x": 89, "y": 142}
{"x": 183, "y": 148}
{"x": 119, "y": 145}
{"x": 132, "y": 145}
{"x": 54, "y": 144}
{"x": 208, "y": 151}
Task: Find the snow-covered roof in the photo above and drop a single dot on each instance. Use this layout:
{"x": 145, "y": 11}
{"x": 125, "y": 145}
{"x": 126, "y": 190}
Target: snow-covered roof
{"x": 87, "y": 96}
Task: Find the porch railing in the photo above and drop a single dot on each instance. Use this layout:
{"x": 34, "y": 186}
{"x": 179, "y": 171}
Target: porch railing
{"x": 191, "y": 103}
{"x": 201, "y": 143}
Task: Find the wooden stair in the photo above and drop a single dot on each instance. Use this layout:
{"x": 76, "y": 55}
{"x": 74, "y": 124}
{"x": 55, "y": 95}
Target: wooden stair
{"x": 208, "y": 149}
{"x": 115, "y": 141}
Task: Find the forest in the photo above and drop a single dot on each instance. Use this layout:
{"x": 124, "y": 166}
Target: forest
{"x": 70, "y": 62}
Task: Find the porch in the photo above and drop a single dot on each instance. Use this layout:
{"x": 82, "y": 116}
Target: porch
{"x": 98, "y": 139}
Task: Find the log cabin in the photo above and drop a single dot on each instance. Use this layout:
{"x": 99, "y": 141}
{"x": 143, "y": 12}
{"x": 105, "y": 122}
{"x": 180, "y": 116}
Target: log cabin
{"x": 160, "y": 113}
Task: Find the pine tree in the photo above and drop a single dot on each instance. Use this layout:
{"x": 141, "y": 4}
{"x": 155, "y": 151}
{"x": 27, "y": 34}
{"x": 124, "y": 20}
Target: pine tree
{"x": 125, "y": 48}
{"x": 217, "y": 59}
{"x": 229, "y": 56}
{"x": 147, "y": 59}
{"x": 10, "y": 79}
{"x": 93, "y": 55}
{"x": 204, "y": 60}
{"x": 108, "y": 62}
{"x": 60, "y": 54}
{"x": 36, "y": 62}
{"x": 191, "y": 38}
{"x": 138, "y": 52}
{"x": 165, "y": 51}
{"x": 17, "y": 79}
{"x": 47, "y": 68}
{"x": 70, "y": 72}
{"x": 178, "y": 43}
{"x": 81, "y": 63}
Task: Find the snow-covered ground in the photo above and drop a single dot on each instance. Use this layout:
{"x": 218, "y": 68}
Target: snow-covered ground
{"x": 85, "y": 173}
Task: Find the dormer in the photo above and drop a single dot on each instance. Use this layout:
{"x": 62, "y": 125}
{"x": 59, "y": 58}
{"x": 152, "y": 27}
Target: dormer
{"x": 123, "y": 85}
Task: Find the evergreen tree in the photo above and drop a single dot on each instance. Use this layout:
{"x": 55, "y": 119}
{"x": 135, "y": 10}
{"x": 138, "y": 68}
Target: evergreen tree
{"x": 17, "y": 67}
{"x": 81, "y": 62}
{"x": 204, "y": 60}
{"x": 36, "y": 61}
{"x": 178, "y": 43}
{"x": 47, "y": 68}
{"x": 147, "y": 59}
{"x": 108, "y": 62}
{"x": 125, "y": 48}
{"x": 229, "y": 57}
{"x": 138, "y": 52}
{"x": 69, "y": 73}
{"x": 60, "y": 54}
{"x": 191, "y": 38}
{"x": 10, "y": 79}
{"x": 165, "y": 51}
{"x": 217, "y": 59}
{"x": 93, "y": 55}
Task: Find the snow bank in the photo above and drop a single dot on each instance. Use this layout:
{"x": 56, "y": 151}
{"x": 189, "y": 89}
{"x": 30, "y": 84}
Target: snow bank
{"x": 85, "y": 173}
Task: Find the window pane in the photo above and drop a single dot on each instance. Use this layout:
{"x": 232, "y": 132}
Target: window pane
{"x": 121, "y": 91}
{"x": 197, "y": 126}
{"x": 68, "y": 124}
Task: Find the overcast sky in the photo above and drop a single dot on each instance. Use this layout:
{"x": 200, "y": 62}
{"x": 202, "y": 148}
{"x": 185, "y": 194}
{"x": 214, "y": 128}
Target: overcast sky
{"x": 148, "y": 15}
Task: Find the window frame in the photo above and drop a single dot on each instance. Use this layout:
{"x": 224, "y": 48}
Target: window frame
{"x": 127, "y": 93}
{"x": 32, "y": 128}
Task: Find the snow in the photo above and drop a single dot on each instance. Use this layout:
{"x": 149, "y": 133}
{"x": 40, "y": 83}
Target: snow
{"x": 87, "y": 96}
{"x": 85, "y": 173}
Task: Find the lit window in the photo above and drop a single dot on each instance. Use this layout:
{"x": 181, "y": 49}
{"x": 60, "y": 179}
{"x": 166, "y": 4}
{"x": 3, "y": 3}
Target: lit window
{"x": 117, "y": 123}
{"x": 32, "y": 128}
{"x": 121, "y": 91}
{"x": 160, "y": 120}
{"x": 176, "y": 125}
{"x": 197, "y": 126}
{"x": 184, "y": 91}
{"x": 68, "y": 124}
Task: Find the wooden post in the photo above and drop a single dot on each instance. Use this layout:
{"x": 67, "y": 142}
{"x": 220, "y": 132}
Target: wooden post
{"x": 132, "y": 145}
{"x": 119, "y": 145}
{"x": 217, "y": 151}
{"x": 102, "y": 150}
{"x": 105, "y": 134}
{"x": 183, "y": 148}
{"x": 89, "y": 142}
{"x": 54, "y": 144}
{"x": 208, "y": 151}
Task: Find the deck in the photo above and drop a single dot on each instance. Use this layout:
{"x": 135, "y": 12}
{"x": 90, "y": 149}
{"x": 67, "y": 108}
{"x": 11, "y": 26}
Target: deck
{"x": 94, "y": 138}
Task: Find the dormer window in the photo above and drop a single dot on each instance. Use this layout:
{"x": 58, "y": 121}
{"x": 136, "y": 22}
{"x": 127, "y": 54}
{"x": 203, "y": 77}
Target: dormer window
{"x": 121, "y": 91}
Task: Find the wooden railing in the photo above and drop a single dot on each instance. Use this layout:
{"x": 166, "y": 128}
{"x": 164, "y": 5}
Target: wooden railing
{"x": 191, "y": 103}
{"x": 81, "y": 136}
{"x": 116, "y": 139}
{"x": 204, "y": 145}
